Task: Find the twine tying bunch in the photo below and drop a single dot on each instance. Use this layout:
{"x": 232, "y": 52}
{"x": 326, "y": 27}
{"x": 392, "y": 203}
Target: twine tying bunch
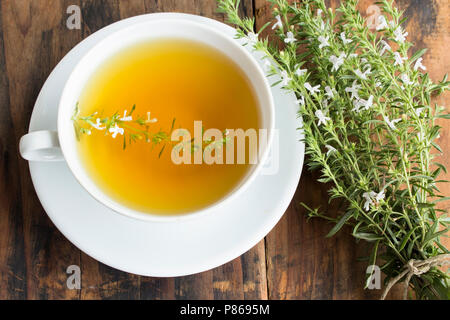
{"x": 416, "y": 268}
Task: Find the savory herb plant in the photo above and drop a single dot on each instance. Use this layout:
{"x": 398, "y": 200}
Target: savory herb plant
{"x": 370, "y": 129}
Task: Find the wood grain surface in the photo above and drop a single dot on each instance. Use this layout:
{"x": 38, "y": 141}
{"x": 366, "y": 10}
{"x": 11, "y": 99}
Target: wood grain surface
{"x": 295, "y": 261}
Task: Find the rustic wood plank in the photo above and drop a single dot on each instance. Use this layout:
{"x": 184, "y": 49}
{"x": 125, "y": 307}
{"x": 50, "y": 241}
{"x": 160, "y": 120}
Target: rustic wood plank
{"x": 157, "y": 288}
{"x": 12, "y": 248}
{"x": 254, "y": 272}
{"x": 228, "y": 278}
{"x": 102, "y": 282}
{"x": 195, "y": 287}
{"x": 39, "y": 255}
{"x": 301, "y": 262}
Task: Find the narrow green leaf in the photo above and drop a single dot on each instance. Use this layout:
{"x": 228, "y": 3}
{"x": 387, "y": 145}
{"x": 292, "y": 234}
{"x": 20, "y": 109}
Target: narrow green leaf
{"x": 340, "y": 223}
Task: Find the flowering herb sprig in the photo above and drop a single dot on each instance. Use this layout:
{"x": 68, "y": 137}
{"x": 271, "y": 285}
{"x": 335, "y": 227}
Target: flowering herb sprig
{"x": 133, "y": 129}
{"x": 370, "y": 129}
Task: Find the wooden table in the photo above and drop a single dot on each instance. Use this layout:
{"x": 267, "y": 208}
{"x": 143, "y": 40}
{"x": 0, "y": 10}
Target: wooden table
{"x": 295, "y": 261}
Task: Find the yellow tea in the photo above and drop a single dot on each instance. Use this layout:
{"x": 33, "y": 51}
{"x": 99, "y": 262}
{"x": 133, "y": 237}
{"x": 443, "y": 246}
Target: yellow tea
{"x": 170, "y": 78}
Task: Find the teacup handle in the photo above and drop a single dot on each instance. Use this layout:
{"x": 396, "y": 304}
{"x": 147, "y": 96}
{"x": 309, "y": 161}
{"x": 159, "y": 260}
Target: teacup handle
{"x": 41, "y": 146}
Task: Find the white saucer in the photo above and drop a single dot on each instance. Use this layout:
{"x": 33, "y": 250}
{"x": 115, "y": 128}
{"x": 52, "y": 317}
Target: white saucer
{"x": 163, "y": 249}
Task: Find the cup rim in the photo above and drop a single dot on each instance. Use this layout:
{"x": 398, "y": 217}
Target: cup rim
{"x": 108, "y": 201}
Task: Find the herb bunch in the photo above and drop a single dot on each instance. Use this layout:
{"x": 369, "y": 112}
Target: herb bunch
{"x": 370, "y": 129}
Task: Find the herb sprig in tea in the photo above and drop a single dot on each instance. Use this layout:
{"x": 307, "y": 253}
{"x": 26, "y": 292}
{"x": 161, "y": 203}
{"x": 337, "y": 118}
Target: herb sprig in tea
{"x": 138, "y": 128}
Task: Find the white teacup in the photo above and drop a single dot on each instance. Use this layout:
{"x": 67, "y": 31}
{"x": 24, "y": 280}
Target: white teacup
{"x": 61, "y": 145}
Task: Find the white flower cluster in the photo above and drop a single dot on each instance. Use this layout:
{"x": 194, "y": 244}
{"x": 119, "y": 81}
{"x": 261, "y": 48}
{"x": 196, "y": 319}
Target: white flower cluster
{"x": 115, "y": 129}
{"x": 372, "y": 198}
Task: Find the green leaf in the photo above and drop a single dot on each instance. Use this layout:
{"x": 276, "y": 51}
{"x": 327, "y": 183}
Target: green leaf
{"x": 406, "y": 238}
{"x": 161, "y": 152}
{"x": 443, "y": 116}
{"x": 132, "y": 109}
{"x": 444, "y": 249}
{"x": 425, "y": 205}
{"x": 437, "y": 147}
{"x": 417, "y": 55}
{"x": 340, "y": 223}
{"x": 367, "y": 236}
{"x": 434, "y": 235}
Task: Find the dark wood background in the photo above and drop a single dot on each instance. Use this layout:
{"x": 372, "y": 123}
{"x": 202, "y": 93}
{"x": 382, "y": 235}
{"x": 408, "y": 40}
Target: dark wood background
{"x": 295, "y": 261}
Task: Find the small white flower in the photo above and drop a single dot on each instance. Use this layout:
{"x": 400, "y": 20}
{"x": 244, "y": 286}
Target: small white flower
{"x": 419, "y": 64}
{"x": 391, "y": 124}
{"x": 329, "y": 92}
{"x": 399, "y": 35}
{"x": 405, "y": 78}
{"x": 323, "y": 41}
{"x": 377, "y": 84}
{"x": 116, "y": 130}
{"x": 277, "y": 24}
{"x": 322, "y": 118}
{"x": 418, "y": 111}
{"x": 353, "y": 90}
{"x": 372, "y": 197}
{"x": 319, "y": 12}
{"x": 358, "y": 104}
{"x": 301, "y": 101}
{"x": 368, "y": 196}
{"x": 300, "y": 72}
{"x": 380, "y": 196}
{"x": 125, "y": 117}
{"x": 285, "y": 79}
{"x": 399, "y": 59}
{"x": 98, "y": 125}
{"x": 330, "y": 149}
{"x": 149, "y": 119}
{"x": 344, "y": 39}
{"x": 385, "y": 47}
{"x": 382, "y": 23}
{"x": 290, "y": 37}
{"x": 88, "y": 132}
{"x": 353, "y": 55}
{"x": 311, "y": 89}
{"x": 363, "y": 75}
{"x": 368, "y": 103}
{"x": 337, "y": 61}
